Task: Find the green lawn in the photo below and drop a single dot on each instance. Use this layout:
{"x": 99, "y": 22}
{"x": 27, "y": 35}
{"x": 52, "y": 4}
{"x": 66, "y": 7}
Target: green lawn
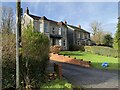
{"x": 95, "y": 59}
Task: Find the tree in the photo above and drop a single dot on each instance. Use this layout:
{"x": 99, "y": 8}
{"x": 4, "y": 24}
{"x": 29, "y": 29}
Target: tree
{"x": 7, "y": 21}
{"x": 108, "y": 40}
{"x": 116, "y": 43}
{"x": 97, "y": 32}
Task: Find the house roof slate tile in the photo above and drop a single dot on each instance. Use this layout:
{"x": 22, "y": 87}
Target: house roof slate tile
{"x": 78, "y": 29}
{"x": 44, "y": 18}
{"x": 34, "y": 17}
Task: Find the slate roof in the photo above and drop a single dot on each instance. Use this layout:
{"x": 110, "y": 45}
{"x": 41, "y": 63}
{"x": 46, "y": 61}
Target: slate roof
{"x": 44, "y": 18}
{"x": 78, "y": 29}
{"x": 34, "y": 17}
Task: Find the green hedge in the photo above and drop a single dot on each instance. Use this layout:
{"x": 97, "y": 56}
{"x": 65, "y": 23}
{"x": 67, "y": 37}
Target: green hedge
{"x": 101, "y": 50}
{"x": 76, "y": 48}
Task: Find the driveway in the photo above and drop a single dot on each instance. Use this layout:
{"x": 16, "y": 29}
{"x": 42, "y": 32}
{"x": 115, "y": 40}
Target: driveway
{"x": 88, "y": 77}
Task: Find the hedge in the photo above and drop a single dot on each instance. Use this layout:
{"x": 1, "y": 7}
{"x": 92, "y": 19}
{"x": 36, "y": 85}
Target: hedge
{"x": 101, "y": 50}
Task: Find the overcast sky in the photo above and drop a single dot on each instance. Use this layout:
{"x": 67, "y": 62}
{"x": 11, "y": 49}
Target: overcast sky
{"x": 76, "y": 13}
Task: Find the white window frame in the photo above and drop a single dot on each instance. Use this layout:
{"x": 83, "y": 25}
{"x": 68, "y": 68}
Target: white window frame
{"x": 46, "y": 27}
{"x": 78, "y": 35}
{"x": 60, "y": 31}
{"x": 60, "y": 42}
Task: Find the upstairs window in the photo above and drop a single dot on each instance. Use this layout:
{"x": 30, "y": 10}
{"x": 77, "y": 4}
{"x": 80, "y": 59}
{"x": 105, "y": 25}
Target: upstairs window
{"x": 53, "y": 30}
{"x": 78, "y": 35}
{"x": 83, "y": 36}
{"x": 46, "y": 27}
{"x": 60, "y": 31}
{"x": 88, "y": 36}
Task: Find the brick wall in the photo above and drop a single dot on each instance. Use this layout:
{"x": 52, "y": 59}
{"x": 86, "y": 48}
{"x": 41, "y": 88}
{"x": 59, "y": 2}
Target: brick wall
{"x": 67, "y": 59}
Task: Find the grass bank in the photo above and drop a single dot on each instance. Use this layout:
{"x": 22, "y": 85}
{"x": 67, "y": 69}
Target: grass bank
{"x": 95, "y": 59}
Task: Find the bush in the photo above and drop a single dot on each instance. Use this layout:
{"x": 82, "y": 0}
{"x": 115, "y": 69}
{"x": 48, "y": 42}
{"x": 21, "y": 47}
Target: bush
{"x": 55, "y": 49}
{"x": 76, "y": 48}
{"x": 8, "y": 60}
{"x": 35, "y": 56}
{"x": 100, "y": 50}
{"x": 34, "y": 60}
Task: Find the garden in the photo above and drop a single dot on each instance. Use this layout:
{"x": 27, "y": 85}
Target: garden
{"x": 97, "y": 55}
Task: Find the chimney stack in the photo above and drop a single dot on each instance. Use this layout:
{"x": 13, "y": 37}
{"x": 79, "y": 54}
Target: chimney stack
{"x": 65, "y": 22}
{"x": 79, "y": 26}
{"x": 27, "y": 10}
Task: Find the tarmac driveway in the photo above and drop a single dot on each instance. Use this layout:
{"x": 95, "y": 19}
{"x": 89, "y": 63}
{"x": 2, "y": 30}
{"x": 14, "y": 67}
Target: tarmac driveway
{"x": 88, "y": 77}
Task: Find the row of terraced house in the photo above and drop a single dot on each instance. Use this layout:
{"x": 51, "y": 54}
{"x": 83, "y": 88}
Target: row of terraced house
{"x": 59, "y": 33}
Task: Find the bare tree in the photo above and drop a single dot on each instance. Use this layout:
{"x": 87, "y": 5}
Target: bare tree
{"x": 7, "y": 21}
{"x": 97, "y": 32}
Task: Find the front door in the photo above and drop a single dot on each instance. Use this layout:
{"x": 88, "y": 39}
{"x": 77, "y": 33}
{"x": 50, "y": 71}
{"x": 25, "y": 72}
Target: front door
{"x": 53, "y": 42}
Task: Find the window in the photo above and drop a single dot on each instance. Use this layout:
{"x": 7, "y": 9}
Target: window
{"x": 78, "y": 42}
{"x": 78, "y": 35}
{"x": 53, "y": 30}
{"x": 88, "y": 36}
{"x": 46, "y": 27}
{"x": 60, "y": 31}
{"x": 60, "y": 43}
{"x": 64, "y": 42}
{"x": 83, "y": 36}
{"x": 36, "y": 25}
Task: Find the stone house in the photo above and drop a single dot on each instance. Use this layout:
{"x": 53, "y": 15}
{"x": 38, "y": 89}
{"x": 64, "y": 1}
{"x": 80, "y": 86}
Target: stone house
{"x": 78, "y": 36}
{"x": 59, "y": 33}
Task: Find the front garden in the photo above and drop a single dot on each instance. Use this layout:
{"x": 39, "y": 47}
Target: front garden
{"x": 96, "y": 60}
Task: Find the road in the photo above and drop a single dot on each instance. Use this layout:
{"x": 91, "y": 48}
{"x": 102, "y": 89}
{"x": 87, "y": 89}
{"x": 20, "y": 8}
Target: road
{"x": 88, "y": 77}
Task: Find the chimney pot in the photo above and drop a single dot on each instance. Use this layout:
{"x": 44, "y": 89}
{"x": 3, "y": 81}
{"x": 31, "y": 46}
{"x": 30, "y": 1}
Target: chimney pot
{"x": 65, "y": 22}
{"x": 79, "y": 26}
{"x": 27, "y": 10}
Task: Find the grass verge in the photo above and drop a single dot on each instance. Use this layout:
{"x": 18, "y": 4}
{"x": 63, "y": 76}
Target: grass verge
{"x": 57, "y": 84}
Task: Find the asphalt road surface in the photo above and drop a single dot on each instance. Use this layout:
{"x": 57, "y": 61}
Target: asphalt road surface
{"x": 88, "y": 77}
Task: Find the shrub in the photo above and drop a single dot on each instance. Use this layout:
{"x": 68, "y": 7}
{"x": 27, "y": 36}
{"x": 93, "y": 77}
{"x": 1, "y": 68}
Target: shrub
{"x": 35, "y": 56}
{"x": 55, "y": 49}
{"x": 34, "y": 60}
{"x": 76, "y": 48}
{"x": 8, "y": 60}
{"x": 100, "y": 50}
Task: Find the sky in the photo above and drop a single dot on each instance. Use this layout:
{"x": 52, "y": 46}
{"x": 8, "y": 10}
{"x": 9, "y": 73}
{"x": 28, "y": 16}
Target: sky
{"x": 75, "y": 13}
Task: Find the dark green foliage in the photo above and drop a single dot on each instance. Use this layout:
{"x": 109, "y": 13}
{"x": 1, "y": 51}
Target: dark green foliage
{"x": 33, "y": 62}
{"x": 101, "y": 50}
{"x": 108, "y": 40}
{"x": 76, "y": 48}
{"x": 35, "y": 56}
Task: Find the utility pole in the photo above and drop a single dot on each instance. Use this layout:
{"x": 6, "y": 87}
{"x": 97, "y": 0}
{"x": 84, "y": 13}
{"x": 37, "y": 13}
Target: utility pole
{"x": 18, "y": 40}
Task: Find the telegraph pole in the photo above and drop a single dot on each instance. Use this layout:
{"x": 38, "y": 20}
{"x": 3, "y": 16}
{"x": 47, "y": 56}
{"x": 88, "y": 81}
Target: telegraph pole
{"x": 18, "y": 39}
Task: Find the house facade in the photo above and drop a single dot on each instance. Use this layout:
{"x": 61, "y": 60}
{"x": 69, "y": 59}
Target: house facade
{"x": 78, "y": 36}
{"x": 59, "y": 33}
